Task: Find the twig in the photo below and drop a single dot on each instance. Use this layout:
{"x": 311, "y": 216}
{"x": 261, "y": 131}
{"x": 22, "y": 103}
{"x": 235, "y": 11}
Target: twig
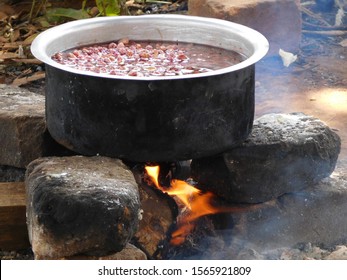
{"x": 313, "y": 15}
{"x": 326, "y": 32}
{"x": 320, "y": 27}
{"x": 27, "y": 60}
{"x": 41, "y": 7}
{"x": 32, "y": 11}
{"x": 13, "y": 46}
{"x": 26, "y": 80}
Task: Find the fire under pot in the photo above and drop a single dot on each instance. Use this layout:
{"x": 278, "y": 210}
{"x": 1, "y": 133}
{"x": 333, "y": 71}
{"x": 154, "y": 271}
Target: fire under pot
{"x": 165, "y": 118}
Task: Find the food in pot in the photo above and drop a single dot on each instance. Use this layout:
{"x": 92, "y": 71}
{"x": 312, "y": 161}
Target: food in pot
{"x": 144, "y": 59}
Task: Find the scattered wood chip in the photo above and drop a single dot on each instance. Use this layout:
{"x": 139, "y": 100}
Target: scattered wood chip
{"x": 8, "y": 55}
{"x": 27, "y": 60}
{"x": 25, "y": 80}
{"x": 339, "y": 17}
{"x": 287, "y": 57}
{"x": 343, "y": 43}
{"x": 13, "y": 46}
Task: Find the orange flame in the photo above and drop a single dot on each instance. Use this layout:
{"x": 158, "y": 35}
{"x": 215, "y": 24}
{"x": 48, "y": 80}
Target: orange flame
{"x": 196, "y": 204}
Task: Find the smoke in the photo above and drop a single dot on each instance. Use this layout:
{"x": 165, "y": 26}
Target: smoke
{"x": 299, "y": 225}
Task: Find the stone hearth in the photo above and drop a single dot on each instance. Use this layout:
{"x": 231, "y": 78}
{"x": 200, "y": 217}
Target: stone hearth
{"x": 286, "y": 218}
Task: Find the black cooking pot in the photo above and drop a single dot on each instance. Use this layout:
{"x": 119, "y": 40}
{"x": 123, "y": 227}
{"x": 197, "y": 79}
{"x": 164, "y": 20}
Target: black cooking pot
{"x": 150, "y": 118}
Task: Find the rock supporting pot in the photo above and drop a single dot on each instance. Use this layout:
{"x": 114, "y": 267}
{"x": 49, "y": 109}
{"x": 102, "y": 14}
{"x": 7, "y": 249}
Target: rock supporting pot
{"x": 80, "y": 205}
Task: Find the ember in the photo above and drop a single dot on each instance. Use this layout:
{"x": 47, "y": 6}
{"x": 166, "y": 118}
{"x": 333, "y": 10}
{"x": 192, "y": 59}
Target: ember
{"x": 195, "y": 204}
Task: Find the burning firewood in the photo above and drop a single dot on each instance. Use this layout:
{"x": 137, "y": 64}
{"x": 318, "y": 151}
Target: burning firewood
{"x": 158, "y": 216}
{"x": 163, "y": 235}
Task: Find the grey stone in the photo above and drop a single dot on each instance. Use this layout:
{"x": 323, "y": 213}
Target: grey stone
{"x": 80, "y": 205}
{"x": 339, "y": 254}
{"x": 316, "y": 215}
{"x": 130, "y": 252}
{"x": 22, "y": 126}
{"x": 23, "y": 133}
{"x": 284, "y": 153}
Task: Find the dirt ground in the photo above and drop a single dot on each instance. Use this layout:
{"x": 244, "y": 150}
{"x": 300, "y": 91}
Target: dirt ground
{"x": 316, "y": 84}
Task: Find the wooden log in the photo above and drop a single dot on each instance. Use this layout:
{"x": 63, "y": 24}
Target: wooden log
{"x": 158, "y": 217}
{"x": 13, "y": 228}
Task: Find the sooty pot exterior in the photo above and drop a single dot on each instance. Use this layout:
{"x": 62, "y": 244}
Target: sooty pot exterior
{"x": 161, "y": 120}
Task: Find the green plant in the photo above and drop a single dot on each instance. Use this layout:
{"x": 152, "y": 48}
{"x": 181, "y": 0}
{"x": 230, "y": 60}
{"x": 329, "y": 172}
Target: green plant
{"x": 58, "y": 14}
{"x": 109, "y": 7}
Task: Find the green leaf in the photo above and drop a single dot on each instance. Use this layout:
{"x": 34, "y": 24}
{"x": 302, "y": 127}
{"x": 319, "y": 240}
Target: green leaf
{"x": 42, "y": 21}
{"x": 158, "y": 2}
{"x": 56, "y": 14}
{"x": 108, "y": 7}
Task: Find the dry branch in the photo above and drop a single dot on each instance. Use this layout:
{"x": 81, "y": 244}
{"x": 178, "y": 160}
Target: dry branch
{"x": 25, "y": 80}
{"x": 311, "y": 26}
{"x": 313, "y": 15}
{"x": 159, "y": 213}
{"x": 326, "y": 32}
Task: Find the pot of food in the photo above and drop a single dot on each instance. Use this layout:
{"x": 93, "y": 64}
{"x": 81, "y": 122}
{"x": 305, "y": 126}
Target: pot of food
{"x": 190, "y": 93}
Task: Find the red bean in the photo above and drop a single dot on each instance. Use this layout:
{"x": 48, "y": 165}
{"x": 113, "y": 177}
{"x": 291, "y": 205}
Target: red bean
{"x": 130, "y": 58}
